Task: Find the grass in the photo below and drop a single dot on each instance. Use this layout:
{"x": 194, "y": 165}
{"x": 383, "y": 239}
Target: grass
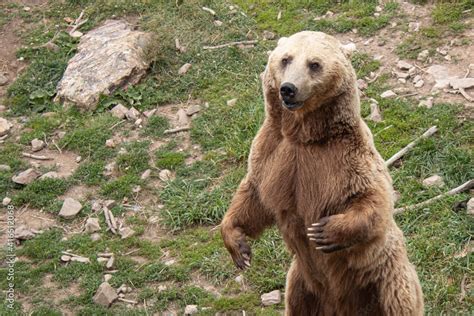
{"x": 193, "y": 203}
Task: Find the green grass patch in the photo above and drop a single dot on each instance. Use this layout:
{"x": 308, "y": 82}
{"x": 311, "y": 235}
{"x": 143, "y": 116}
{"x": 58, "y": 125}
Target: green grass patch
{"x": 121, "y": 187}
{"x": 41, "y": 193}
{"x": 364, "y": 64}
{"x": 136, "y": 158}
{"x": 156, "y": 126}
{"x": 169, "y": 159}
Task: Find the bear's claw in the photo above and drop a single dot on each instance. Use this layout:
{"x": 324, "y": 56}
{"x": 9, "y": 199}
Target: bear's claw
{"x": 319, "y": 234}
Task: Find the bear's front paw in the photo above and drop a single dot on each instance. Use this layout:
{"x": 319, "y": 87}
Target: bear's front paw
{"x": 327, "y": 234}
{"x": 235, "y": 241}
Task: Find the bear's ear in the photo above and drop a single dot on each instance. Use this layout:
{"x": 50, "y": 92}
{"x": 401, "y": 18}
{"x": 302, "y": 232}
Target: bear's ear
{"x": 282, "y": 41}
{"x": 348, "y": 49}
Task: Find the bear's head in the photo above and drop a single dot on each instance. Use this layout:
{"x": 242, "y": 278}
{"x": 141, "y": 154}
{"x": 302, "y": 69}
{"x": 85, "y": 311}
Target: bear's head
{"x": 306, "y": 70}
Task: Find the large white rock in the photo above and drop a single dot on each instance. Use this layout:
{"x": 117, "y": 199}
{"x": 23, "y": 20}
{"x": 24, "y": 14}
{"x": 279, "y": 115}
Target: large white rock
{"x": 109, "y": 57}
{"x": 433, "y": 181}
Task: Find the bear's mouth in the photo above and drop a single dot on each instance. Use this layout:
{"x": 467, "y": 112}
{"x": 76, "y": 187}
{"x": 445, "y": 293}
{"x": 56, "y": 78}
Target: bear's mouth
{"x": 292, "y": 106}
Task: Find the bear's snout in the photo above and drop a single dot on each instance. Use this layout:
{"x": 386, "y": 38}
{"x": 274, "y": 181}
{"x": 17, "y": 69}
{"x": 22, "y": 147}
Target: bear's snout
{"x": 288, "y": 92}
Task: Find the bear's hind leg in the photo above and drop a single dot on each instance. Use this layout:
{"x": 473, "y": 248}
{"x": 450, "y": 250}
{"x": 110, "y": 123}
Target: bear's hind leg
{"x": 298, "y": 299}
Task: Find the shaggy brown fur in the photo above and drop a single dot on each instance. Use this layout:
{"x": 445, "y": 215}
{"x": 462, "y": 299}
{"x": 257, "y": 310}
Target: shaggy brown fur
{"x": 315, "y": 173}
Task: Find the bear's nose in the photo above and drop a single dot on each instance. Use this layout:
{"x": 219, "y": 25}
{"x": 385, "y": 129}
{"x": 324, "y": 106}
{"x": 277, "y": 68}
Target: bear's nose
{"x": 288, "y": 91}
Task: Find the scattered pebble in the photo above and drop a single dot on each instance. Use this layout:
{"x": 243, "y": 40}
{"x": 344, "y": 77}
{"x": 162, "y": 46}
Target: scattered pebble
{"x": 3, "y": 79}
{"x": 37, "y": 145}
{"x": 190, "y": 310}
{"x": 138, "y": 122}
{"x": 26, "y": 177}
{"x": 272, "y": 298}
{"x": 110, "y": 262}
{"x": 95, "y": 237}
{"x": 5, "y": 168}
{"x": 76, "y": 34}
{"x": 433, "y": 181}
{"x": 70, "y": 208}
{"x": 218, "y": 23}
{"x": 126, "y": 232}
{"x": 268, "y": 35}
{"x": 105, "y": 295}
{"x": 6, "y": 201}
{"x": 193, "y": 109}
{"x": 388, "y": 94}
{"x": 132, "y": 114}
{"x": 182, "y": 117}
{"x": 403, "y": 65}
{"x": 107, "y": 277}
{"x": 362, "y": 84}
{"x": 423, "y": 55}
{"x": 146, "y": 174}
{"x": 232, "y": 102}
{"x": 419, "y": 83}
{"x": 49, "y": 175}
{"x": 92, "y": 225}
{"x": 78, "y": 159}
{"x": 470, "y": 207}
{"x": 119, "y": 111}
{"x": 375, "y": 114}
{"x": 165, "y": 175}
{"x": 149, "y": 113}
{"x": 110, "y": 143}
{"x": 24, "y": 233}
{"x": 428, "y": 103}
{"x": 5, "y": 126}
{"x": 413, "y": 26}
{"x": 65, "y": 258}
{"x": 184, "y": 69}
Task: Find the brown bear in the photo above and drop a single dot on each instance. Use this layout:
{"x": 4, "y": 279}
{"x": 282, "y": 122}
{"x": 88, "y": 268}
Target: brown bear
{"x": 314, "y": 171}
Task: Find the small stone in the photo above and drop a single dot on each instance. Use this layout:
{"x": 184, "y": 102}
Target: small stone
{"x": 6, "y": 201}
{"x": 190, "y": 310}
{"x": 184, "y": 69}
{"x": 367, "y": 42}
{"x": 378, "y": 57}
{"x": 470, "y": 206}
{"x": 349, "y": 48}
{"x": 110, "y": 263}
{"x": 403, "y": 65}
{"x": 23, "y": 233}
{"x": 423, "y": 55}
{"x": 232, "y": 102}
{"x": 105, "y": 295}
{"x": 329, "y": 14}
{"x": 3, "y": 79}
{"x": 447, "y": 57}
{"x": 110, "y": 168}
{"x": 413, "y": 26}
{"x": 110, "y": 143}
{"x": 433, "y": 181}
{"x": 403, "y": 75}
{"x": 132, "y": 114}
{"x": 149, "y": 113}
{"x": 27, "y": 9}
{"x": 412, "y": 71}
{"x": 96, "y": 206}
{"x": 272, "y": 298}
{"x": 5, "y": 126}
{"x": 146, "y": 174}
{"x": 428, "y": 103}
{"x": 388, "y": 94}
{"x": 193, "y": 109}
{"x": 126, "y": 232}
{"x": 376, "y": 14}
{"x": 396, "y": 196}
{"x": 218, "y": 23}
{"x": 76, "y": 34}
{"x": 182, "y": 117}
{"x": 49, "y": 175}
{"x": 119, "y": 111}
{"x": 2, "y": 108}
{"x": 65, "y": 258}
{"x": 378, "y": 9}
{"x": 462, "y": 83}
{"x": 162, "y": 288}
{"x": 95, "y": 237}
{"x": 70, "y": 208}
{"x": 419, "y": 83}
{"x": 78, "y": 159}
{"x": 107, "y": 277}
{"x": 5, "y": 168}
{"x": 268, "y": 35}
{"x": 239, "y": 279}
{"x": 102, "y": 260}
{"x": 170, "y": 262}
{"x": 442, "y": 51}
{"x": 375, "y": 114}
{"x": 138, "y": 122}
{"x": 37, "y": 145}
{"x": 416, "y": 79}
{"x": 402, "y": 80}
{"x": 61, "y": 134}
{"x": 26, "y": 177}
{"x": 165, "y": 175}
{"x": 136, "y": 189}
{"x": 92, "y": 225}
{"x": 362, "y": 84}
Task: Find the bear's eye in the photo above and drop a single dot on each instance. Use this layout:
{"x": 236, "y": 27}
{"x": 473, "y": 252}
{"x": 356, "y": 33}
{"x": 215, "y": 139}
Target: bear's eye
{"x": 285, "y": 61}
{"x": 314, "y": 66}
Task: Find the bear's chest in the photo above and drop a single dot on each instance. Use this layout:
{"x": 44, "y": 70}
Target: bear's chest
{"x": 305, "y": 182}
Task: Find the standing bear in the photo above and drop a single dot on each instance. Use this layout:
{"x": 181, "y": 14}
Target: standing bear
{"x": 314, "y": 171}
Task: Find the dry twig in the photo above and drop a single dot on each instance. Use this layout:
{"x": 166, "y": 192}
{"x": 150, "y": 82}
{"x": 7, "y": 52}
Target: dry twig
{"x": 408, "y": 147}
{"x": 231, "y": 44}
{"x": 27, "y": 155}
{"x": 176, "y": 130}
{"x": 465, "y": 186}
